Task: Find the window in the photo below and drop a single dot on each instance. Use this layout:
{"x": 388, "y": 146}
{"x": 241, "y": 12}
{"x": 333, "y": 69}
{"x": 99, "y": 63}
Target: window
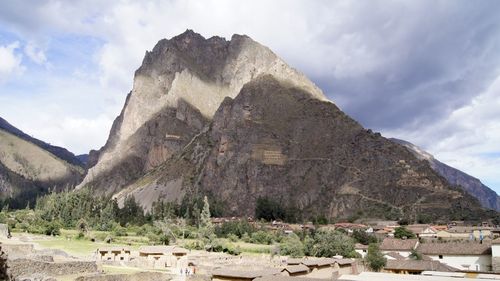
{"x": 122, "y": 258}
{"x": 440, "y": 257}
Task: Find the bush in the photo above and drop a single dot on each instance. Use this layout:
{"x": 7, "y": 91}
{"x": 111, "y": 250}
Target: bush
{"x": 364, "y": 238}
{"x": 331, "y": 243}
{"x": 262, "y": 237}
{"x": 403, "y": 233}
{"x": 292, "y": 246}
{"x": 119, "y": 231}
{"x": 53, "y": 228}
{"x": 232, "y": 237}
{"x": 374, "y": 258}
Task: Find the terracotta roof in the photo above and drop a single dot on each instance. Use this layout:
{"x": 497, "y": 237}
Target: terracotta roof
{"x": 245, "y": 274}
{"x": 162, "y": 250}
{"x": 312, "y": 262}
{"x": 344, "y": 261}
{"x": 286, "y": 278}
{"x": 296, "y": 268}
{"x": 395, "y": 256}
{"x": 417, "y": 228}
{"x": 359, "y": 246}
{"x": 418, "y": 265}
{"x": 455, "y": 248}
{"x": 392, "y": 244}
{"x": 113, "y": 249}
{"x": 294, "y": 261}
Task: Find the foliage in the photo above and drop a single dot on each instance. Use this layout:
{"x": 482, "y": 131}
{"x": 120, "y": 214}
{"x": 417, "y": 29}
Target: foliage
{"x": 363, "y": 237}
{"x": 415, "y": 255}
{"x": 374, "y": 258}
{"x": 329, "y": 243}
{"x": 292, "y": 246}
{"x": 403, "y": 233}
{"x": 238, "y": 228}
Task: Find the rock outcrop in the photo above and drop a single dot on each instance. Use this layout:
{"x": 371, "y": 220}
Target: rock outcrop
{"x": 230, "y": 120}
{"x": 486, "y": 196}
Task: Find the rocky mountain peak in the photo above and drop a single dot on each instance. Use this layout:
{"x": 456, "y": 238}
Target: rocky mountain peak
{"x": 196, "y": 72}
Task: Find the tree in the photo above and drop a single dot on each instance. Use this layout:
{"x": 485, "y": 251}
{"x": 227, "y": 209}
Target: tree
{"x": 292, "y": 246}
{"x": 403, "y": 233}
{"x": 414, "y": 255}
{"x": 364, "y": 238}
{"x": 331, "y": 243}
{"x": 374, "y": 258}
{"x": 206, "y": 227}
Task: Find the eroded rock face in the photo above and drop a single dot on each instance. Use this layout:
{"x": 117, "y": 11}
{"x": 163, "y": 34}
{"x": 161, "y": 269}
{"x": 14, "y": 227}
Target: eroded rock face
{"x": 486, "y": 196}
{"x": 275, "y": 140}
{"x": 230, "y": 120}
{"x": 185, "y": 72}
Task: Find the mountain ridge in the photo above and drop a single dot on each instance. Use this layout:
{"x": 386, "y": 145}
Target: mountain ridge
{"x": 470, "y": 184}
{"x": 230, "y": 120}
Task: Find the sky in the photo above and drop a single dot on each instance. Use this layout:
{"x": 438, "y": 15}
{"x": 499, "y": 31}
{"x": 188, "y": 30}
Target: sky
{"x": 424, "y": 71}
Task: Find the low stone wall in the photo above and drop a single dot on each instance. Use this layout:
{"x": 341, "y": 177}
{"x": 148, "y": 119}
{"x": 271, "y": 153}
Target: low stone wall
{"x": 141, "y": 276}
{"x": 28, "y": 267}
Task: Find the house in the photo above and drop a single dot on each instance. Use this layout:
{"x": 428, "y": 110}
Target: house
{"x": 238, "y": 275}
{"x": 292, "y": 261}
{"x": 415, "y": 266}
{"x": 401, "y": 246}
{"x": 426, "y": 276}
{"x": 163, "y": 256}
{"x": 286, "y": 278}
{"x": 320, "y": 268}
{"x": 495, "y": 255}
{"x": 113, "y": 254}
{"x": 463, "y": 255}
{"x": 394, "y": 256}
{"x": 419, "y": 229}
{"x": 295, "y": 270}
{"x": 345, "y": 266}
{"x": 361, "y": 249}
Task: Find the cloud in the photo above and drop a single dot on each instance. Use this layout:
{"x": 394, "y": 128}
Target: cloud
{"x": 10, "y": 62}
{"x": 36, "y": 54}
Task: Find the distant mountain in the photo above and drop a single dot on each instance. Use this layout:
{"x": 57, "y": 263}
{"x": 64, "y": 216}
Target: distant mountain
{"x": 30, "y": 167}
{"x": 83, "y": 158}
{"x": 488, "y": 198}
{"x": 60, "y": 152}
{"x": 232, "y": 121}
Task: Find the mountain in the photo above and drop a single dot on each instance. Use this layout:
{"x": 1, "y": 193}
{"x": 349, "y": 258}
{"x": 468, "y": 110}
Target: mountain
{"x": 488, "y": 198}
{"x": 30, "y": 167}
{"x": 176, "y": 91}
{"x": 230, "y": 120}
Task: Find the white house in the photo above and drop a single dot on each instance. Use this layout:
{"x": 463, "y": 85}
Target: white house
{"x": 470, "y": 255}
{"x": 400, "y": 246}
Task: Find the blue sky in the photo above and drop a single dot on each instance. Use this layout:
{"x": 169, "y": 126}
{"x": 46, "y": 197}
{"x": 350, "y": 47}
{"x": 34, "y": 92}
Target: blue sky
{"x": 424, "y": 71}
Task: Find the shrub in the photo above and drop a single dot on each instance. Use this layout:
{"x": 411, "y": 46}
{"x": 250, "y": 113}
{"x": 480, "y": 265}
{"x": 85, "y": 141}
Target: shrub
{"x": 119, "y": 231}
{"x": 232, "y": 237}
{"x": 403, "y": 233}
{"x": 53, "y": 228}
{"x": 374, "y": 258}
{"x": 292, "y": 246}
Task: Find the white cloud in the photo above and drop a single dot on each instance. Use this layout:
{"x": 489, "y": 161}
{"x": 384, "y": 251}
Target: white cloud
{"x": 36, "y": 54}
{"x": 10, "y": 62}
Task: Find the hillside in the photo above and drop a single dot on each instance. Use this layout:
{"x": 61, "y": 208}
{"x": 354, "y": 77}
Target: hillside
{"x": 27, "y": 169}
{"x": 488, "y": 198}
{"x": 231, "y": 120}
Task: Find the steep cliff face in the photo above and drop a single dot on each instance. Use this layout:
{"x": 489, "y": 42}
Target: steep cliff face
{"x": 184, "y": 80}
{"x": 30, "y": 167}
{"x": 231, "y": 120}
{"x": 275, "y": 140}
{"x": 486, "y": 196}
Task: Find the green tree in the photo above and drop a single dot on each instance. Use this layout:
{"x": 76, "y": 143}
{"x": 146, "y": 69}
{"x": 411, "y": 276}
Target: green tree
{"x": 206, "y": 226}
{"x": 414, "y": 255}
{"x": 292, "y": 246}
{"x": 374, "y": 258}
{"x": 403, "y": 233}
{"x": 330, "y": 243}
{"x": 364, "y": 238}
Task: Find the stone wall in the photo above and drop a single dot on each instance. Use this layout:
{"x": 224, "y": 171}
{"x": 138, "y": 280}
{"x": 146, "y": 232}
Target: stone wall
{"x": 27, "y": 267}
{"x": 142, "y": 276}
{"x": 495, "y": 264}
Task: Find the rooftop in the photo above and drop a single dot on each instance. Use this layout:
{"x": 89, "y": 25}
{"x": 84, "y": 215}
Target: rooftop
{"x": 392, "y": 244}
{"x": 455, "y": 248}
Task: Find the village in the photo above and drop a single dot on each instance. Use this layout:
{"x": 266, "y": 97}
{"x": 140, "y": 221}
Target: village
{"x": 435, "y": 252}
